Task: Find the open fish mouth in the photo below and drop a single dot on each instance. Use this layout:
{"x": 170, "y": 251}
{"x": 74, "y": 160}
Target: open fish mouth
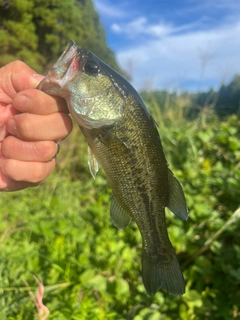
{"x": 63, "y": 70}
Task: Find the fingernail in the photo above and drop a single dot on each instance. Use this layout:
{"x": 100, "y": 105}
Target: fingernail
{"x": 11, "y": 126}
{"x": 20, "y": 102}
{"x": 37, "y": 76}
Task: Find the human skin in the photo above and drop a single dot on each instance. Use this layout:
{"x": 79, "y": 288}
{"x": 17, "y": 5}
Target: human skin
{"x": 31, "y": 122}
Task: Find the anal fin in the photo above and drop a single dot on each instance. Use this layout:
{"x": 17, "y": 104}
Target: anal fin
{"x": 119, "y": 217}
{"x": 176, "y": 201}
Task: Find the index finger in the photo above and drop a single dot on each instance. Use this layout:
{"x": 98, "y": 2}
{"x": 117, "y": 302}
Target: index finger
{"x": 37, "y": 102}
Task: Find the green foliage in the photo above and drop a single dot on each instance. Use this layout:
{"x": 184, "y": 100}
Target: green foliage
{"x": 37, "y": 31}
{"x": 229, "y": 97}
{"x": 224, "y": 102}
{"x": 61, "y": 234}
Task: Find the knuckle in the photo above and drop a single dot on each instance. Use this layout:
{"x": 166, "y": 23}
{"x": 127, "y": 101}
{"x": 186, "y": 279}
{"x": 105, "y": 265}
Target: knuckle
{"x": 17, "y": 64}
{"x": 25, "y": 128}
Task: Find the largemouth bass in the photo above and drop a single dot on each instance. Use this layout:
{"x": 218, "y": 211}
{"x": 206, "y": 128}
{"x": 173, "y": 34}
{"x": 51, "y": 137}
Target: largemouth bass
{"x": 123, "y": 138}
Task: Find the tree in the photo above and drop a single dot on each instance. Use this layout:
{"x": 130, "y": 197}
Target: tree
{"x": 229, "y": 98}
{"x": 37, "y": 31}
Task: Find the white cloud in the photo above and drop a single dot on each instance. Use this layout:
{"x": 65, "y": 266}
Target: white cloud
{"x": 140, "y": 26}
{"x": 107, "y": 9}
{"x": 170, "y": 61}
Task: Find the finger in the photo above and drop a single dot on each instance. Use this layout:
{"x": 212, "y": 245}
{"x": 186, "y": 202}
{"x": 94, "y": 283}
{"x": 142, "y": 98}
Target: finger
{"x": 3, "y": 132}
{"x": 17, "y": 76}
{"x": 33, "y": 127}
{"x": 37, "y": 102}
{"x": 5, "y": 114}
{"x": 1, "y": 154}
{"x": 39, "y": 151}
{"x": 7, "y": 184}
{"x": 27, "y": 171}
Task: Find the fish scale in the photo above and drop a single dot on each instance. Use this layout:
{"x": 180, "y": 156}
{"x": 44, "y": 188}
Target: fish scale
{"x": 124, "y": 140}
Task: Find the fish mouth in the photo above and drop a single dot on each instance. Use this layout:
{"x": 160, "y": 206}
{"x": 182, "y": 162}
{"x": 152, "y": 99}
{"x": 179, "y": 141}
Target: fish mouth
{"x": 63, "y": 70}
{"x": 71, "y": 50}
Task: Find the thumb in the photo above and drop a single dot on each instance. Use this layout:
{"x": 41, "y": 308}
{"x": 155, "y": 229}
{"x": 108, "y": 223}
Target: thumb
{"x": 17, "y": 76}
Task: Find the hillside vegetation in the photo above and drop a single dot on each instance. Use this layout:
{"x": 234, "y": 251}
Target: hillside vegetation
{"x": 37, "y": 31}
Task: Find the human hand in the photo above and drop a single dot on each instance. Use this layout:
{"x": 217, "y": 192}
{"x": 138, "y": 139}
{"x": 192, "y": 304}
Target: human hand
{"x": 31, "y": 122}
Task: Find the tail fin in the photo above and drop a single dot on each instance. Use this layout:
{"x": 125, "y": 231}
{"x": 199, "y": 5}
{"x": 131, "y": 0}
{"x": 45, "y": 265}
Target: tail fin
{"x": 157, "y": 275}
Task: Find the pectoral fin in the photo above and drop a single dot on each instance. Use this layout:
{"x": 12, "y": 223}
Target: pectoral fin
{"x": 119, "y": 217}
{"x": 92, "y": 163}
{"x": 176, "y": 202}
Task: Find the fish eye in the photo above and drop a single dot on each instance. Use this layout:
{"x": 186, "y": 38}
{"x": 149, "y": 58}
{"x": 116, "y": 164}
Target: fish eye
{"x": 91, "y": 67}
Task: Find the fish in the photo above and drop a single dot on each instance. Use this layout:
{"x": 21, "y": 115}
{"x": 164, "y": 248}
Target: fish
{"x": 123, "y": 139}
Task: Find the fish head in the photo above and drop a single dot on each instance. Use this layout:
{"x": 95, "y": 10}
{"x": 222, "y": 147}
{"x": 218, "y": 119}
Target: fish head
{"x": 95, "y": 94}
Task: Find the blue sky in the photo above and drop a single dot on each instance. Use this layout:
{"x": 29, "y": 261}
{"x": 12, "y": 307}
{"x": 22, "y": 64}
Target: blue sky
{"x": 178, "y": 45}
